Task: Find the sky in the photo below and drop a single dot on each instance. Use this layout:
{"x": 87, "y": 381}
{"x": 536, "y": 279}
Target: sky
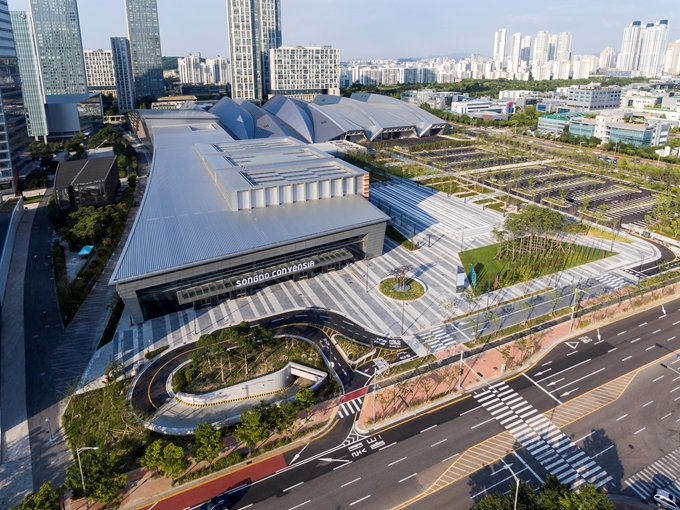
{"x": 385, "y": 29}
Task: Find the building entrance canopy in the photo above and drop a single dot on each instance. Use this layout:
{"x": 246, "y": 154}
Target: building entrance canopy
{"x": 249, "y": 279}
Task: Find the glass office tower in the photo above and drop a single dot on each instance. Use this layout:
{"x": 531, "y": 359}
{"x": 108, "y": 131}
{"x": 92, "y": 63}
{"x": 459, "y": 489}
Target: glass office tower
{"x": 145, "y": 47}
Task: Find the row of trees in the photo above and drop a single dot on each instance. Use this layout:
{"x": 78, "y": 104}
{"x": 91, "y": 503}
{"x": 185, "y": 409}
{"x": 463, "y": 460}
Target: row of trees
{"x": 552, "y": 495}
{"x": 530, "y": 232}
{"x": 40, "y": 149}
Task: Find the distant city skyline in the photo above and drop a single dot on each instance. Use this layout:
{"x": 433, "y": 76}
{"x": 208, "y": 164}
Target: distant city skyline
{"x": 382, "y": 30}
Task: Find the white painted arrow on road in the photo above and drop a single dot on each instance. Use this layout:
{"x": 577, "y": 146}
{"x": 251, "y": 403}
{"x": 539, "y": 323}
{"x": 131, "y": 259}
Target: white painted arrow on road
{"x": 297, "y": 455}
{"x": 335, "y": 460}
{"x": 598, "y": 335}
{"x": 569, "y": 392}
{"x": 663, "y": 310}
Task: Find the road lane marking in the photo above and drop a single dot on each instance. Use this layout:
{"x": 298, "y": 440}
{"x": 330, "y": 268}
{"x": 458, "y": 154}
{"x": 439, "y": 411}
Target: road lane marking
{"x": 348, "y": 483}
{"x": 658, "y": 378}
{"x": 451, "y": 457}
{"x": 298, "y": 506}
{"x": 606, "y": 449}
{"x": 386, "y": 447}
{"x": 664, "y": 417}
{"x": 572, "y": 353}
{"x": 633, "y": 341}
{"x": 473, "y": 409}
{"x": 671, "y": 338}
{"x": 580, "y": 379}
{"x": 242, "y": 508}
{"x": 293, "y": 486}
{"x": 676, "y": 323}
{"x": 650, "y": 402}
{"x": 410, "y": 476}
{"x": 439, "y": 442}
{"x": 359, "y": 500}
{"x": 548, "y": 363}
{"x": 651, "y": 347}
{"x": 624, "y": 359}
{"x": 584, "y": 437}
{"x": 643, "y": 324}
{"x": 543, "y": 389}
{"x": 678, "y": 388}
{"x": 527, "y": 466}
{"x": 621, "y": 417}
{"x": 351, "y": 324}
{"x": 558, "y": 373}
{"x": 612, "y": 350}
{"x": 342, "y": 465}
{"x": 643, "y": 428}
{"x": 655, "y": 332}
{"x": 428, "y": 428}
{"x": 496, "y": 484}
{"x": 622, "y": 333}
{"x": 480, "y": 424}
{"x": 396, "y": 461}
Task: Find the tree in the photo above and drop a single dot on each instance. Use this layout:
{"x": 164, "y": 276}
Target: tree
{"x": 401, "y": 273}
{"x": 251, "y": 429}
{"x": 208, "y": 443}
{"x": 153, "y": 455}
{"x": 305, "y": 399}
{"x": 174, "y": 461}
{"x": 45, "y": 499}
{"x": 103, "y": 481}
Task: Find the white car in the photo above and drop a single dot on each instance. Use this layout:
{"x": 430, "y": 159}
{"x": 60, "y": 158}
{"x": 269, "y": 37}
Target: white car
{"x": 666, "y": 500}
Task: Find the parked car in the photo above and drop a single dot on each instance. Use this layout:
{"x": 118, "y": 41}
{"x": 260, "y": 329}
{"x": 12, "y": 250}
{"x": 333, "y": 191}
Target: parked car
{"x": 666, "y": 500}
{"x": 220, "y": 502}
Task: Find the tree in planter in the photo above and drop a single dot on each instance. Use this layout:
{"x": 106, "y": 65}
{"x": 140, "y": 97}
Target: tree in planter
{"x": 45, "y": 499}
{"x": 251, "y": 429}
{"x": 103, "y": 480}
{"x": 526, "y": 307}
{"x": 153, "y": 455}
{"x": 401, "y": 274}
{"x": 305, "y": 400}
{"x": 208, "y": 443}
{"x": 174, "y": 461}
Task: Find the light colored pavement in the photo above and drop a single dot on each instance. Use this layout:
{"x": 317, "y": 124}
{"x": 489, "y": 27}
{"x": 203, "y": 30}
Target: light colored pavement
{"x": 16, "y": 478}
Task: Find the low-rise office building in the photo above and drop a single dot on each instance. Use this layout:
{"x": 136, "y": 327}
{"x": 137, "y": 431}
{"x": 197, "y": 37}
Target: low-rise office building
{"x": 594, "y": 97}
{"x": 221, "y": 218}
{"x": 556, "y": 123}
{"x": 580, "y": 126}
{"x": 91, "y": 181}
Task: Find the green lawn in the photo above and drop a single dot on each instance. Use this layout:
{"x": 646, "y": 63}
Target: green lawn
{"x": 496, "y": 207}
{"x": 523, "y": 269}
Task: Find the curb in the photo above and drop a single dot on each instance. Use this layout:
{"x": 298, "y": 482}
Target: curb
{"x": 509, "y": 374}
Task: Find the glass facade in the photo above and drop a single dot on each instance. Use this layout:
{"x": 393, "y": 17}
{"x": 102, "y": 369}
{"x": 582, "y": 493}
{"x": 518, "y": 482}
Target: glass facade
{"x": 13, "y": 135}
{"x": 122, "y": 68}
{"x": 145, "y": 47}
{"x": 254, "y": 29}
{"x": 34, "y": 98}
{"x": 59, "y": 45}
{"x": 637, "y": 137}
{"x": 212, "y": 288}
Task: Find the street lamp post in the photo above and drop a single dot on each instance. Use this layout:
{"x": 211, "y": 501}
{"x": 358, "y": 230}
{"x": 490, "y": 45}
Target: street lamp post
{"x": 573, "y": 308}
{"x": 148, "y": 349}
{"x": 80, "y": 465}
{"x": 516, "y": 481}
{"x": 367, "y": 261}
{"x": 403, "y": 305}
{"x": 49, "y": 427}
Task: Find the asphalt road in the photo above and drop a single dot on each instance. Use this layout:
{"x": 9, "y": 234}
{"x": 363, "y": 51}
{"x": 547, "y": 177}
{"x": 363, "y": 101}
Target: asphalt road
{"x": 149, "y": 393}
{"x": 397, "y": 463}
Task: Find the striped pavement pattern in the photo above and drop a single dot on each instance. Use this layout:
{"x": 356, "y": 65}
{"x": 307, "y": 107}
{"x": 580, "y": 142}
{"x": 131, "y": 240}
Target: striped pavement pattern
{"x": 613, "y": 282}
{"x": 548, "y": 444}
{"x": 662, "y": 474}
{"x": 436, "y": 339}
{"x": 349, "y": 408}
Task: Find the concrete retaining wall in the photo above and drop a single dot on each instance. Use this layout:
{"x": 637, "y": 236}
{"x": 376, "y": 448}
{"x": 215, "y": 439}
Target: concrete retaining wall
{"x": 8, "y": 248}
{"x": 254, "y": 388}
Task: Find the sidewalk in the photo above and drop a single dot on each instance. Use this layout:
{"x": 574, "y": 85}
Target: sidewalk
{"x": 16, "y": 476}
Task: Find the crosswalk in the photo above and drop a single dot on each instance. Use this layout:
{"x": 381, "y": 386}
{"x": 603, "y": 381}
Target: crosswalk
{"x": 351, "y": 407}
{"x": 662, "y": 474}
{"x": 611, "y": 281}
{"x": 436, "y": 339}
{"x": 548, "y": 444}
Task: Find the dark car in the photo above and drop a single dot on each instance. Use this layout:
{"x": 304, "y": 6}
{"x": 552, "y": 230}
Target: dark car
{"x": 220, "y": 502}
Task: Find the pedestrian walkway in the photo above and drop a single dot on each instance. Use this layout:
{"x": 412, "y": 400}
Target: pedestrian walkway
{"x": 662, "y": 474}
{"x": 548, "y": 444}
{"x": 350, "y": 408}
{"x": 16, "y": 474}
{"x": 612, "y": 282}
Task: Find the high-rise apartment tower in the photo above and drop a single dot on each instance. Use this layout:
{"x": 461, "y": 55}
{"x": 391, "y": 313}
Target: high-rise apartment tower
{"x": 254, "y": 29}
{"x": 122, "y": 70}
{"x": 499, "y": 46}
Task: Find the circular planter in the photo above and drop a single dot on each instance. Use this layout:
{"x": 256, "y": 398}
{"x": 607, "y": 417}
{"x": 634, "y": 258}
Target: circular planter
{"x": 389, "y": 286}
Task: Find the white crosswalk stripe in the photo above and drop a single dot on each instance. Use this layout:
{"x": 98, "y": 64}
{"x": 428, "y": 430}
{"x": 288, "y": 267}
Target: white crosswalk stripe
{"x": 436, "y": 339}
{"x": 613, "y": 282}
{"x": 548, "y": 444}
{"x": 349, "y": 408}
{"x": 662, "y": 474}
